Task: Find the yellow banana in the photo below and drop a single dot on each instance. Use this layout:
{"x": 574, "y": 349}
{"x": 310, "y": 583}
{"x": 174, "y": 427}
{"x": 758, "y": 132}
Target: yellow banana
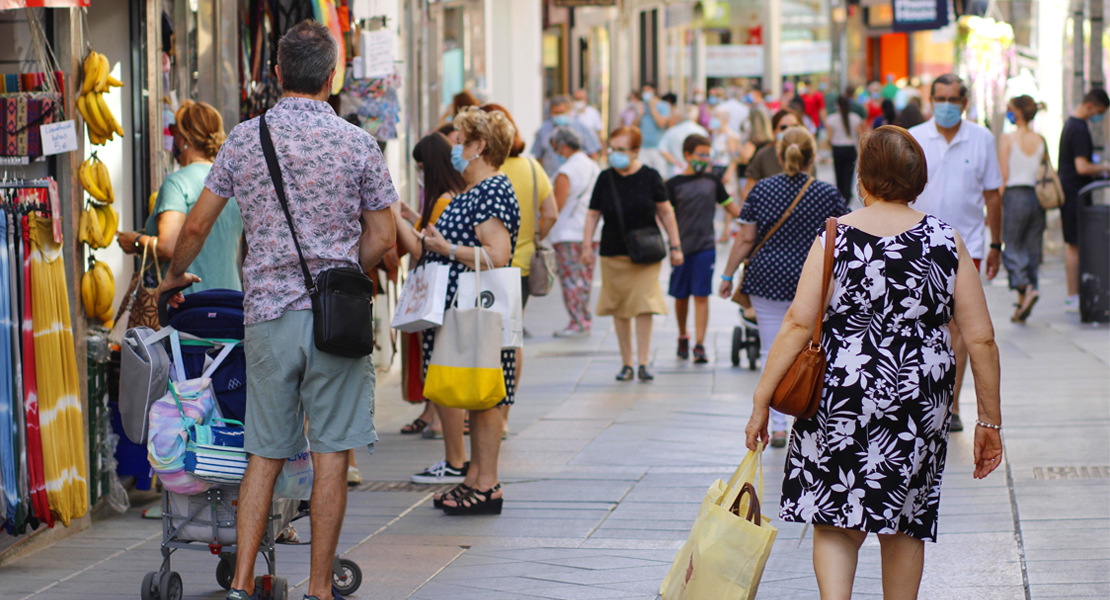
{"x": 104, "y": 181}
{"x": 113, "y": 82}
{"x": 94, "y": 230}
{"x": 92, "y": 64}
{"x": 95, "y": 138}
{"x": 152, "y": 200}
{"x": 83, "y": 227}
{"x": 102, "y": 75}
{"x": 107, "y": 316}
{"x": 109, "y": 324}
{"x": 83, "y": 108}
{"x": 88, "y": 293}
{"x": 106, "y": 114}
{"x": 94, "y": 111}
{"x": 111, "y": 224}
{"x": 105, "y": 291}
{"x": 88, "y": 177}
{"x": 111, "y": 275}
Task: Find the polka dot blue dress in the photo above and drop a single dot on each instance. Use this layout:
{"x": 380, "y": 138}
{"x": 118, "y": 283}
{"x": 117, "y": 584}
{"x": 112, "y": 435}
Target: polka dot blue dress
{"x": 491, "y": 199}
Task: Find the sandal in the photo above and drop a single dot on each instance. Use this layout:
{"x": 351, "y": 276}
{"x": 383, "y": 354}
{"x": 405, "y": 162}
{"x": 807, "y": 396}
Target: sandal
{"x": 1027, "y": 306}
{"x": 453, "y": 495}
{"x": 417, "y": 426}
{"x": 476, "y": 503}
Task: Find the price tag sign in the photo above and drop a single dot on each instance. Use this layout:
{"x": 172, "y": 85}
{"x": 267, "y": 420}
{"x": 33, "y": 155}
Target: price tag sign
{"x": 58, "y": 137}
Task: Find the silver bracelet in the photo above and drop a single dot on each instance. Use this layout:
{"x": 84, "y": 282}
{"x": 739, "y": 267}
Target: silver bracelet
{"x": 454, "y": 248}
{"x": 988, "y": 425}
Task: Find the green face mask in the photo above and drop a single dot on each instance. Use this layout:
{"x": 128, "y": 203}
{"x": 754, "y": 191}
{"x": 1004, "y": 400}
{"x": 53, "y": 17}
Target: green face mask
{"x": 699, "y": 166}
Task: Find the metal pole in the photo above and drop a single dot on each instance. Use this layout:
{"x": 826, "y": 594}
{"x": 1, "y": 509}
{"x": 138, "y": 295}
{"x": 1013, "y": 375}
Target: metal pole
{"x": 772, "y": 44}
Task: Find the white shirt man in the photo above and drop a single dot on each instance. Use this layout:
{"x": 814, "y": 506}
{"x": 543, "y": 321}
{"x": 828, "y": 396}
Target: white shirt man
{"x": 587, "y": 114}
{"x": 738, "y": 112}
{"x": 671, "y": 143}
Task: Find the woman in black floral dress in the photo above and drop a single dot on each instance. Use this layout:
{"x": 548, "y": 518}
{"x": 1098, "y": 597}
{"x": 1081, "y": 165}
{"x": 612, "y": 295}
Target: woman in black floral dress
{"x": 486, "y": 216}
{"x": 870, "y": 460}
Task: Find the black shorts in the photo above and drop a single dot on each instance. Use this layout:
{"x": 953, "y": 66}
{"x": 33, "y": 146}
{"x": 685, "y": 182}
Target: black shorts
{"x": 1069, "y": 218}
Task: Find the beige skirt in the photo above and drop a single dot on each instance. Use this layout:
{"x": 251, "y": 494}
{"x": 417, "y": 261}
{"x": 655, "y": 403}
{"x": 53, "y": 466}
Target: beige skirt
{"x": 629, "y": 289}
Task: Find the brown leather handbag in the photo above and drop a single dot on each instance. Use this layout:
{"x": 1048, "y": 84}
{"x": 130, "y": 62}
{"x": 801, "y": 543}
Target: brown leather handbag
{"x": 144, "y": 300}
{"x": 799, "y": 392}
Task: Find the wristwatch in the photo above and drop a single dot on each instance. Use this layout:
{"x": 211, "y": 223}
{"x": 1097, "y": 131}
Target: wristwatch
{"x": 676, "y": 248}
{"x": 137, "y": 244}
{"x": 996, "y": 247}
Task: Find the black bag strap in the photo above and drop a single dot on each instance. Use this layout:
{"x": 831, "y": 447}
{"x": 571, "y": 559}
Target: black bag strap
{"x": 279, "y": 187}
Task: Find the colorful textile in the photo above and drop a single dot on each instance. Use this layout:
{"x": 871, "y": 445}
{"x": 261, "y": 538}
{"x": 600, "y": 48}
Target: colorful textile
{"x": 332, "y": 171}
{"x": 13, "y": 272}
{"x": 39, "y": 500}
{"x": 575, "y": 279}
{"x": 60, "y": 417}
{"x": 8, "y": 447}
{"x": 21, "y": 115}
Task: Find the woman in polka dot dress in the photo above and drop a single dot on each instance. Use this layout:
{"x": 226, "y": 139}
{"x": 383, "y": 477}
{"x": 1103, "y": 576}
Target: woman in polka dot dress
{"x": 771, "y": 277}
{"x": 485, "y": 215}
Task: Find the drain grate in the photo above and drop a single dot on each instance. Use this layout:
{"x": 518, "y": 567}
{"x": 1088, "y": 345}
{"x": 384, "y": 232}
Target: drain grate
{"x": 402, "y": 486}
{"x": 1071, "y": 472}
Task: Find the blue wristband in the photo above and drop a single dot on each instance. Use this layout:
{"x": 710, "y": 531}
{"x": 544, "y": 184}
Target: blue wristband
{"x": 726, "y": 277}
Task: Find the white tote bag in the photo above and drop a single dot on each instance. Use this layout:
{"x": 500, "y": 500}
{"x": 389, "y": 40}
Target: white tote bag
{"x": 500, "y": 292}
{"x": 423, "y": 298}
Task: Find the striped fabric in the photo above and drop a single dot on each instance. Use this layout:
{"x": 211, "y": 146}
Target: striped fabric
{"x": 37, "y": 479}
{"x": 60, "y": 418}
{"x": 215, "y": 454}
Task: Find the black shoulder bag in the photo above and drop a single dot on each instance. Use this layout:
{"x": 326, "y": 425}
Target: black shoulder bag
{"x": 645, "y": 245}
{"x": 342, "y": 298}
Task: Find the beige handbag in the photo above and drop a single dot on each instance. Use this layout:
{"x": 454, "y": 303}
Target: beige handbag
{"x": 1049, "y": 192}
{"x": 541, "y": 272}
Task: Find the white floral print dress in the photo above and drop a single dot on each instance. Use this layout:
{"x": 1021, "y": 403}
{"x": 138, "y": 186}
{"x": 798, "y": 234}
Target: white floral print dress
{"x": 871, "y": 458}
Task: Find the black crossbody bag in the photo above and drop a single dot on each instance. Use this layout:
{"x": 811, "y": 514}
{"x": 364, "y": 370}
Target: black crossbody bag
{"x": 342, "y": 298}
{"x": 645, "y": 245}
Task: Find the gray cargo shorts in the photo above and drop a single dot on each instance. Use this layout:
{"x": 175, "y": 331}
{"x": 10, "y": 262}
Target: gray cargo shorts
{"x": 289, "y": 379}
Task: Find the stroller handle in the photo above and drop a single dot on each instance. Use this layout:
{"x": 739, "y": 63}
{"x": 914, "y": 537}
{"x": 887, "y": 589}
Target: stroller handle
{"x": 163, "y": 304}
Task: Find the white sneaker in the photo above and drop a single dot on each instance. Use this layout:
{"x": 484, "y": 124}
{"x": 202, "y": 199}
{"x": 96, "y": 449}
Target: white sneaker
{"x": 441, "y": 473}
{"x": 1071, "y": 304}
{"x": 571, "y": 334}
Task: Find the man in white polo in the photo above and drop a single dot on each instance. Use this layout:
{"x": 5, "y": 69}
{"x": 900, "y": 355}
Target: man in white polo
{"x": 963, "y": 179}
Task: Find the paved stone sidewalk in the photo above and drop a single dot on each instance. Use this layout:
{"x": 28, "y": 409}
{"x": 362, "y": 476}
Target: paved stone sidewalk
{"x": 603, "y": 480}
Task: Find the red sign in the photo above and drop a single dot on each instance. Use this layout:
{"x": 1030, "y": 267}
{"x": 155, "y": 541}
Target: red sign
{"x": 10, "y": 4}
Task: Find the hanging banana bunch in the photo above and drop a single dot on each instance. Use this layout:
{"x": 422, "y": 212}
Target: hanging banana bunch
{"x": 101, "y": 122}
{"x": 96, "y": 180}
{"x": 98, "y": 291}
{"x": 97, "y": 225}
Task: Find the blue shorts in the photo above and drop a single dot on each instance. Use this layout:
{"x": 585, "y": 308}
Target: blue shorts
{"x": 694, "y": 277}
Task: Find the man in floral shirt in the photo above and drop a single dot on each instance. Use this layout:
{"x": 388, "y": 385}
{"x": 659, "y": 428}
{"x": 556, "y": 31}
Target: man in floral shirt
{"x": 339, "y": 193}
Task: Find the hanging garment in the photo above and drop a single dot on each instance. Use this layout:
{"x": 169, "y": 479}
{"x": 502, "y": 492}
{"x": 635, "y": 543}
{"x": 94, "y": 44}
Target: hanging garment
{"x": 9, "y": 451}
{"x": 34, "y": 435}
{"x": 60, "y": 418}
{"x": 17, "y": 375}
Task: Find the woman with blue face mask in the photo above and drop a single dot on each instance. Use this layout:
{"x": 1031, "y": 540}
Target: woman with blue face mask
{"x": 630, "y": 195}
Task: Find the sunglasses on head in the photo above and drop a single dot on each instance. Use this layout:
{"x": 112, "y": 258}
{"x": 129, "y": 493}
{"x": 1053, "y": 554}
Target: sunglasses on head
{"x": 784, "y": 127}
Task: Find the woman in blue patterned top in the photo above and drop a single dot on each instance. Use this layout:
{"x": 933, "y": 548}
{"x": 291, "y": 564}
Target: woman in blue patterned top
{"x": 486, "y": 216}
{"x": 771, "y": 277}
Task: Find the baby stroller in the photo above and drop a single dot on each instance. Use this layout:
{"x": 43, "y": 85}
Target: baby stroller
{"x": 745, "y": 339}
{"x": 209, "y": 320}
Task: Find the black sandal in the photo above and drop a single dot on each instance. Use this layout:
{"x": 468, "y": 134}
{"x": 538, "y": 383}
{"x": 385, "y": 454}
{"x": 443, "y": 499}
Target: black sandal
{"x": 476, "y": 503}
{"x": 417, "y": 426}
{"x": 453, "y": 494}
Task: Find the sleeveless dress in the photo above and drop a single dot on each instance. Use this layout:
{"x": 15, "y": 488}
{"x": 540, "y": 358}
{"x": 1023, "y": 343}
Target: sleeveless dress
{"x": 871, "y": 458}
{"x": 493, "y": 198}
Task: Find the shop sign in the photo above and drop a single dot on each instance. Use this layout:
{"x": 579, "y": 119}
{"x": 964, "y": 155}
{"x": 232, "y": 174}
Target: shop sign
{"x": 58, "y": 137}
{"x": 10, "y": 4}
{"x": 733, "y": 60}
{"x": 920, "y": 15}
{"x": 803, "y": 58}
{"x": 580, "y": 3}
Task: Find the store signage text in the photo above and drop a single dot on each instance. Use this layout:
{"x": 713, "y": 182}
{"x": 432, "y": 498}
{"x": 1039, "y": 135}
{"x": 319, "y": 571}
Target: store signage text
{"x": 58, "y": 137}
{"x": 919, "y": 15}
{"x": 795, "y": 58}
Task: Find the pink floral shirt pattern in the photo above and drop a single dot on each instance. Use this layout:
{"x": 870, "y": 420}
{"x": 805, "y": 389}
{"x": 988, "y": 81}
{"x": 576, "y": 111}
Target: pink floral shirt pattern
{"x": 332, "y": 171}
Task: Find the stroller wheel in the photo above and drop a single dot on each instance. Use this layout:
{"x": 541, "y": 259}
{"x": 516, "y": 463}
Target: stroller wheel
{"x": 281, "y": 588}
{"x": 271, "y": 587}
{"x": 737, "y": 344}
{"x": 171, "y": 588}
{"x": 150, "y": 585}
{"x": 225, "y": 571}
{"x": 753, "y": 348}
{"x": 347, "y": 576}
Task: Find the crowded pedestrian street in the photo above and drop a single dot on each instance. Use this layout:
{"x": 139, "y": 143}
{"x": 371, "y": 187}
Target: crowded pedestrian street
{"x": 603, "y": 480}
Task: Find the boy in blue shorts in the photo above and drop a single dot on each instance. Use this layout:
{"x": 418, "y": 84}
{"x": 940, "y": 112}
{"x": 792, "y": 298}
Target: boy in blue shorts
{"x": 695, "y": 194}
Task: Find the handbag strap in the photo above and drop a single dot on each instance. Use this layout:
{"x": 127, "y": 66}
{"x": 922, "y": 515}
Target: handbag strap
{"x": 826, "y": 276}
{"x": 279, "y": 187}
{"x": 535, "y": 196}
{"x": 783, "y": 218}
{"x": 157, "y": 267}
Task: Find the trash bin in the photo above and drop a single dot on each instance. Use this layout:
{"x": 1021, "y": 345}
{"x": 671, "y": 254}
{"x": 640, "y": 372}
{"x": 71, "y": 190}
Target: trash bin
{"x": 1094, "y": 255}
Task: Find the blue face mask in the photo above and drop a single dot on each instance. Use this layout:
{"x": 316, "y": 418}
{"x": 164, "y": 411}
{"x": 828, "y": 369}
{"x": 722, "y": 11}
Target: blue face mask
{"x": 560, "y": 120}
{"x": 713, "y": 100}
{"x": 1011, "y": 117}
{"x": 647, "y": 96}
{"x": 749, "y": 99}
{"x": 1096, "y": 118}
{"x": 619, "y": 160}
{"x": 947, "y": 115}
{"x": 457, "y": 159}
{"x": 560, "y": 159}
{"x": 714, "y": 123}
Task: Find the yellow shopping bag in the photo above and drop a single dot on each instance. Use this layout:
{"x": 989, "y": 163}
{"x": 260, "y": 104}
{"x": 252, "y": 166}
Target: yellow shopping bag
{"x": 730, "y": 542}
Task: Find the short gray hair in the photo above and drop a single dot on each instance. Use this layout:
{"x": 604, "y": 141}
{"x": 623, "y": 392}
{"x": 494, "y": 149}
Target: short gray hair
{"x": 560, "y": 100}
{"x": 948, "y": 79}
{"x": 307, "y": 55}
{"x": 565, "y": 136}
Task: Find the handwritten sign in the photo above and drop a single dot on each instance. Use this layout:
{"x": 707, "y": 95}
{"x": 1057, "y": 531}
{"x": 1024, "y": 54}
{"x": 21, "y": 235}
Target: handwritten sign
{"x": 377, "y": 53}
{"x": 58, "y": 137}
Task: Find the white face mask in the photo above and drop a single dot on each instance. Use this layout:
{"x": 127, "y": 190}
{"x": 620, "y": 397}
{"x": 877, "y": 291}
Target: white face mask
{"x": 579, "y": 105}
